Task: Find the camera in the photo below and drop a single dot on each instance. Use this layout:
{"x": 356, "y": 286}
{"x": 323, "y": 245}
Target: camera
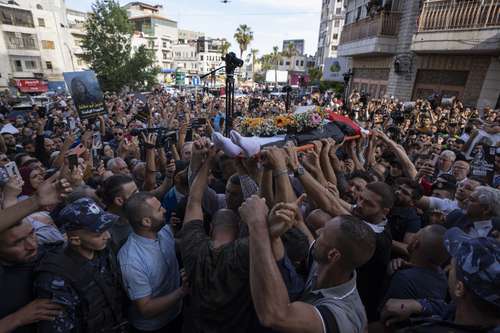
{"x": 232, "y": 62}
{"x": 164, "y": 137}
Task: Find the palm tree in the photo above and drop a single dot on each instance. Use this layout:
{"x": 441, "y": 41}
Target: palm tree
{"x": 225, "y": 47}
{"x": 254, "y": 60}
{"x": 276, "y": 58}
{"x": 243, "y": 35}
{"x": 290, "y": 52}
{"x": 315, "y": 75}
{"x": 266, "y": 62}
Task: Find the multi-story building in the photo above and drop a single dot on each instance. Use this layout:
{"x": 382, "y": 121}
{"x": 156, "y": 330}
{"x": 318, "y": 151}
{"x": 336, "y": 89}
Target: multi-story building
{"x": 76, "y": 21}
{"x": 153, "y": 29}
{"x": 412, "y": 49}
{"x": 186, "y": 59}
{"x": 187, "y": 36}
{"x": 209, "y": 53}
{"x": 36, "y": 46}
{"x": 297, "y": 43}
{"x": 332, "y": 20}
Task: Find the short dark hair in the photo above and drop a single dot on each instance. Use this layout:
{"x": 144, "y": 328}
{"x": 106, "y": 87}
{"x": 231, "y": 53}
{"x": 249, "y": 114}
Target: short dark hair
{"x": 361, "y": 174}
{"x": 136, "y": 208}
{"x": 356, "y": 241}
{"x": 416, "y": 190}
{"x": 235, "y": 179}
{"x": 384, "y": 191}
{"x": 112, "y": 188}
{"x": 226, "y": 219}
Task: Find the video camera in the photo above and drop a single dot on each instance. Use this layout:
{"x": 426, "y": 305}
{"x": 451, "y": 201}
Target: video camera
{"x": 164, "y": 136}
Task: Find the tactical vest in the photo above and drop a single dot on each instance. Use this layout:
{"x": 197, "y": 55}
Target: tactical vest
{"x": 100, "y": 294}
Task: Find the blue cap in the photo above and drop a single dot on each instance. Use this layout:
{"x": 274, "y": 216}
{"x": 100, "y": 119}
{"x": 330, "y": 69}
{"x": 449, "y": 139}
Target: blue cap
{"x": 85, "y": 214}
{"x": 477, "y": 263}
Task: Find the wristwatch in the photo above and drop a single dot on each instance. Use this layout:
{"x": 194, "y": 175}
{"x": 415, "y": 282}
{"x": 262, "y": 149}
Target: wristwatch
{"x": 299, "y": 172}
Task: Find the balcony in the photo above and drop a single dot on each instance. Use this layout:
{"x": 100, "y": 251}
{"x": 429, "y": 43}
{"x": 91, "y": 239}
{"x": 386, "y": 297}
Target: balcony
{"x": 370, "y": 35}
{"x": 22, "y": 43}
{"x": 455, "y": 27}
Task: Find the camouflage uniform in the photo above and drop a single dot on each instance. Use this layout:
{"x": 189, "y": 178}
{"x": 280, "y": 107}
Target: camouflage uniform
{"x": 89, "y": 290}
{"x": 477, "y": 265}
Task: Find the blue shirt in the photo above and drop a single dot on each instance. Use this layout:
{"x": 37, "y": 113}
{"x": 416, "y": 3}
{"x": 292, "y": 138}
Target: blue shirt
{"x": 149, "y": 268}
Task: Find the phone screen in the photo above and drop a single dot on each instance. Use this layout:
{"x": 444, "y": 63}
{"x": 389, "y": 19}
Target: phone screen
{"x": 12, "y": 169}
{"x": 73, "y": 161}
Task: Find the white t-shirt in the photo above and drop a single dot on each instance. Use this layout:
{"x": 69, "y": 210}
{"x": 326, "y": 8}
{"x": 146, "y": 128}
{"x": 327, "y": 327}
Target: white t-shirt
{"x": 444, "y": 205}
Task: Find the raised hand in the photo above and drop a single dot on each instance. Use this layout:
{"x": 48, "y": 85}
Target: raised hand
{"x": 284, "y": 216}
{"x": 254, "y": 211}
{"x": 52, "y": 191}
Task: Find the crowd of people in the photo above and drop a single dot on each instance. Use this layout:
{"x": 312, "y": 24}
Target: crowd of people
{"x": 147, "y": 219}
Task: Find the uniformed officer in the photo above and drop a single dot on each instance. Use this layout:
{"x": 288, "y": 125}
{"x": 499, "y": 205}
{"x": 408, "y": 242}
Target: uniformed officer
{"x": 85, "y": 278}
{"x": 474, "y": 286}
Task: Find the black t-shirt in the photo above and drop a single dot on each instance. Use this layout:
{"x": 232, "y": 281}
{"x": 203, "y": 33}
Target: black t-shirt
{"x": 416, "y": 283}
{"x": 372, "y": 274}
{"x": 220, "y": 300}
{"x": 402, "y": 220}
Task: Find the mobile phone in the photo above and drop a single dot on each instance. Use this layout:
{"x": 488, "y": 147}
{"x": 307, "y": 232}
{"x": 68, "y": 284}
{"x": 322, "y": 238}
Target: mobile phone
{"x": 73, "y": 161}
{"x": 4, "y": 176}
{"x": 12, "y": 169}
{"x": 96, "y": 140}
{"x": 72, "y": 123}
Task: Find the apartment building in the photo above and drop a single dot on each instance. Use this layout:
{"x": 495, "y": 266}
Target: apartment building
{"x": 332, "y": 20}
{"x": 36, "y": 46}
{"x": 413, "y": 49}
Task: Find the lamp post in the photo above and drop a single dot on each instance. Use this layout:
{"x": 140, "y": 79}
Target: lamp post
{"x": 347, "y": 78}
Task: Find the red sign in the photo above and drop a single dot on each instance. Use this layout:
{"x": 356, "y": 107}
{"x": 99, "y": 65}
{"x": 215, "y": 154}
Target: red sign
{"x": 32, "y": 86}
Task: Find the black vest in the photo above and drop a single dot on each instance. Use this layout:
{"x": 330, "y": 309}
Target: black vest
{"x": 101, "y": 296}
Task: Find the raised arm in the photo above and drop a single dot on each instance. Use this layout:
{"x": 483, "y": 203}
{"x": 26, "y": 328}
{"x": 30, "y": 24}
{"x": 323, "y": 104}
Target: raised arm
{"x": 276, "y": 158}
{"x": 150, "y": 172}
{"x": 269, "y": 292}
{"x": 408, "y": 167}
{"x": 194, "y": 210}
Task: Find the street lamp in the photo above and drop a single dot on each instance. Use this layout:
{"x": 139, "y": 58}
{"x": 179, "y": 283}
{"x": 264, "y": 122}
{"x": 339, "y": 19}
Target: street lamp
{"x": 347, "y": 78}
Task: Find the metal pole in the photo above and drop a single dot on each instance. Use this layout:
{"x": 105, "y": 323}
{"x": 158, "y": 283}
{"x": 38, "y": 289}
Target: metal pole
{"x": 229, "y": 102}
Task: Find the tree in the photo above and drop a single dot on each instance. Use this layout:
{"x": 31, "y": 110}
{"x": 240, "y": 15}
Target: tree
{"x": 243, "y": 35}
{"x": 276, "y": 57}
{"x": 290, "y": 52}
{"x": 254, "y": 61}
{"x": 225, "y": 47}
{"x": 266, "y": 62}
{"x": 107, "y": 48}
{"x": 315, "y": 75}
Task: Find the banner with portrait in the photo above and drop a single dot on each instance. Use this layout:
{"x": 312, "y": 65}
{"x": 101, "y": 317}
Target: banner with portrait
{"x": 86, "y": 93}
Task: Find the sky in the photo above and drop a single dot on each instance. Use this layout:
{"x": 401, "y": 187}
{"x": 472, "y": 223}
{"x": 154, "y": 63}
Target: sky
{"x": 271, "y": 21}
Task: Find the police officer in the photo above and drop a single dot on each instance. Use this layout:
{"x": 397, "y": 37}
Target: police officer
{"x": 84, "y": 278}
{"x": 474, "y": 286}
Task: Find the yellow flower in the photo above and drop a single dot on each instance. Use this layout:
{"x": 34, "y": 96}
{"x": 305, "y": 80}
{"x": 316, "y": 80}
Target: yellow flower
{"x": 282, "y": 121}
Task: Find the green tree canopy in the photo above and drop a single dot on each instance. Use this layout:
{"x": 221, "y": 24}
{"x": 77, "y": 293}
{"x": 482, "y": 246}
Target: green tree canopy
{"x": 107, "y": 48}
{"x": 244, "y": 36}
{"x": 225, "y": 47}
{"x": 315, "y": 75}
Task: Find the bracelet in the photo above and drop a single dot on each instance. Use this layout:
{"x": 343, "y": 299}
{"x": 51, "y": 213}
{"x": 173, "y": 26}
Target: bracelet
{"x": 280, "y": 173}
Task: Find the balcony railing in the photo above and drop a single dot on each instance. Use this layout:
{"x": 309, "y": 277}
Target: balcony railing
{"x": 459, "y": 15}
{"x": 22, "y": 43}
{"x": 385, "y": 24}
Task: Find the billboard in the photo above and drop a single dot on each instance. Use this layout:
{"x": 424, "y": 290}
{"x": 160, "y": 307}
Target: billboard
{"x": 86, "y": 93}
{"x": 280, "y": 76}
{"x": 334, "y": 68}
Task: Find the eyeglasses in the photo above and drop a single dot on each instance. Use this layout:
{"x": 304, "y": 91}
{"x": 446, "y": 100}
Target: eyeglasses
{"x": 118, "y": 133}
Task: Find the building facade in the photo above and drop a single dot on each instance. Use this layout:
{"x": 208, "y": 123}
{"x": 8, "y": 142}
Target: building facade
{"x": 299, "y": 45}
{"x": 413, "y": 49}
{"x": 36, "y": 45}
{"x": 332, "y": 21}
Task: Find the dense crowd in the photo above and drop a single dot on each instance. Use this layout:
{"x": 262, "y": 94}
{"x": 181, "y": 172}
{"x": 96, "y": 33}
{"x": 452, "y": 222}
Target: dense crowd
{"x": 148, "y": 219}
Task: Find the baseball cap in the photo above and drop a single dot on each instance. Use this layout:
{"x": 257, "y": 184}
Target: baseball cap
{"x": 477, "y": 263}
{"x": 85, "y": 213}
{"x": 445, "y": 182}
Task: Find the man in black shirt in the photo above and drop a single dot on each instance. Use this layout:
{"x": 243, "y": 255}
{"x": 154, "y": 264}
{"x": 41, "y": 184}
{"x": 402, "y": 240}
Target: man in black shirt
{"x": 19, "y": 254}
{"x": 421, "y": 276}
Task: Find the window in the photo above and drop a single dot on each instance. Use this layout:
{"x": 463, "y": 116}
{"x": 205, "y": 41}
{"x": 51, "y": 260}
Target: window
{"x": 334, "y": 47}
{"x": 338, "y": 11}
{"x": 38, "y": 6}
{"x": 48, "y": 44}
{"x": 302, "y": 63}
{"x": 296, "y": 62}
{"x": 151, "y": 44}
{"x": 18, "y": 17}
{"x": 201, "y": 57}
{"x": 18, "y": 66}
{"x": 335, "y": 36}
{"x": 41, "y": 22}
{"x": 281, "y": 62}
{"x": 30, "y": 64}
{"x": 164, "y": 55}
{"x": 48, "y": 64}
{"x": 336, "y": 23}
{"x": 164, "y": 44}
{"x": 288, "y": 63}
